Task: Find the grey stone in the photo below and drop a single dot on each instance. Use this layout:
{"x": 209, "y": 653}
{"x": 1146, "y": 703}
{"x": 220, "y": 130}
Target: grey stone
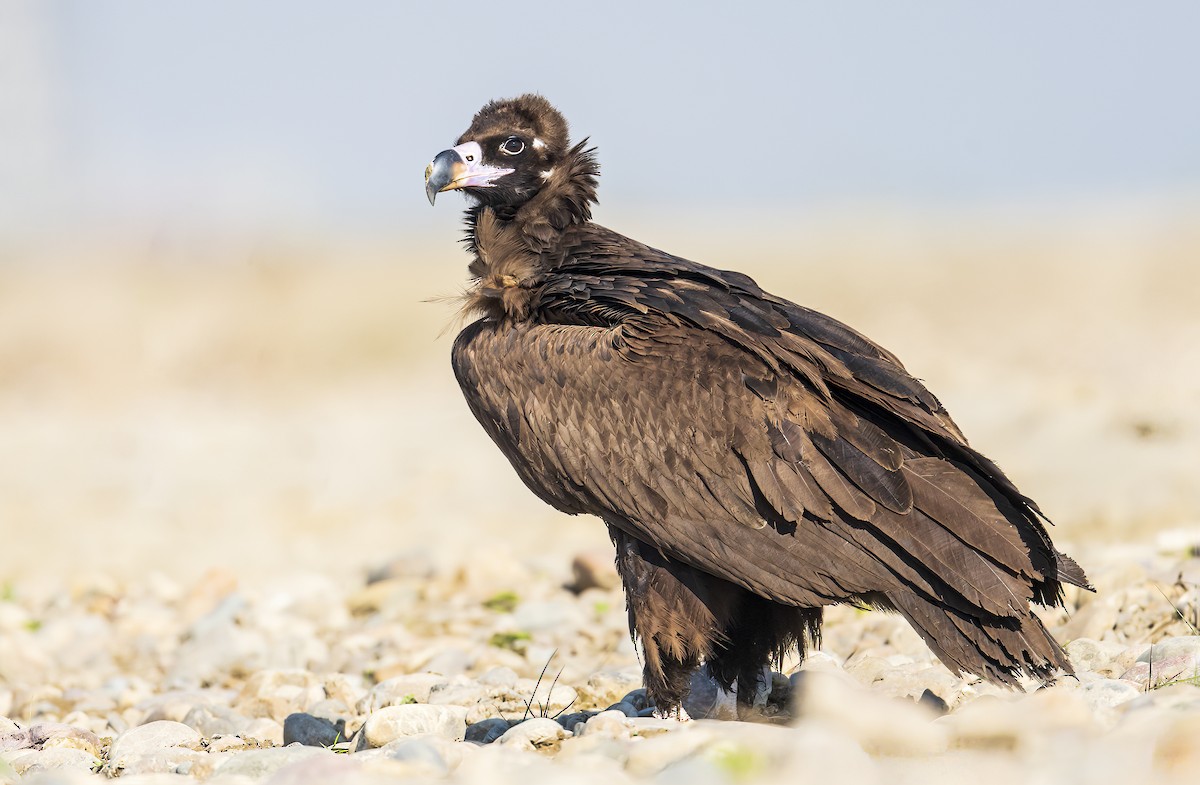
{"x": 638, "y": 698}
{"x": 301, "y": 728}
{"x": 487, "y": 731}
{"x": 628, "y": 709}
{"x": 706, "y": 699}
{"x": 933, "y": 701}
{"x": 415, "y": 719}
{"x": 569, "y": 721}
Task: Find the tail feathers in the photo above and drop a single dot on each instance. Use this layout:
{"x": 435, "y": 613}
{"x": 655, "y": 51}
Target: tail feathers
{"x": 1001, "y": 649}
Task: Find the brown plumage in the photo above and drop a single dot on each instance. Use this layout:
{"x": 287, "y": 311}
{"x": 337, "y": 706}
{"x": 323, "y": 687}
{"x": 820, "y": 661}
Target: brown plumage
{"x": 754, "y": 460}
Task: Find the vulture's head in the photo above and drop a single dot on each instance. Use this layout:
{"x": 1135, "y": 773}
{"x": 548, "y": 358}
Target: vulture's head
{"x": 514, "y": 150}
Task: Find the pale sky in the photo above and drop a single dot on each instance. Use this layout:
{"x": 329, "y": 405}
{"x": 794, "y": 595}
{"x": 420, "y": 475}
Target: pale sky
{"x": 297, "y": 111}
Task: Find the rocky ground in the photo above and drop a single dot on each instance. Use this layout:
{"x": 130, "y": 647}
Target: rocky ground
{"x": 208, "y": 453}
{"x": 437, "y": 674}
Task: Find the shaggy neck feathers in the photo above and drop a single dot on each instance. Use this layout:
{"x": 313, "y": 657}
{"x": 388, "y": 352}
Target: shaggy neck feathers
{"x": 510, "y": 242}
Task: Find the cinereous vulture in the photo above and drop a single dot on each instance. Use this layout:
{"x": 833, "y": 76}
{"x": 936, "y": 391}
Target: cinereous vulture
{"x": 754, "y": 460}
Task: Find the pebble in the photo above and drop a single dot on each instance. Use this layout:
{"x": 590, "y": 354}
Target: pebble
{"x": 486, "y": 731}
{"x": 423, "y": 757}
{"x": 393, "y": 722}
{"x": 539, "y": 732}
{"x": 302, "y": 658}
{"x": 398, "y": 690}
{"x": 264, "y": 729}
{"x": 54, "y": 759}
{"x": 612, "y": 723}
{"x": 214, "y": 720}
{"x": 300, "y": 728}
{"x": 257, "y": 764}
{"x": 708, "y": 700}
{"x": 628, "y": 709}
{"x": 151, "y": 737}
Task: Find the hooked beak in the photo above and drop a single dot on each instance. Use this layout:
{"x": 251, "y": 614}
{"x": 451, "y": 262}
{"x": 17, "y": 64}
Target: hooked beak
{"x": 460, "y": 167}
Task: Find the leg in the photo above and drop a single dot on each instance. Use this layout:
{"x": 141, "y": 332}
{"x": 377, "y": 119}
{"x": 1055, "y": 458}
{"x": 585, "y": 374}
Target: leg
{"x": 678, "y": 613}
{"x": 761, "y": 633}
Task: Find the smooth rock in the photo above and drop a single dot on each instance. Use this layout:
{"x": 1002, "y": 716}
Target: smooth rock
{"x": 175, "y": 705}
{"x": 614, "y": 724}
{"x": 257, "y": 764}
{"x": 499, "y": 677}
{"x": 1179, "y": 696}
{"x": 214, "y": 720}
{"x": 706, "y": 699}
{"x": 1163, "y": 671}
{"x": 313, "y": 770}
{"x": 393, "y": 722}
{"x": 450, "y": 662}
{"x": 264, "y": 729}
{"x": 882, "y": 725}
{"x": 300, "y": 728}
{"x": 1172, "y": 649}
{"x": 423, "y": 756}
{"x": 232, "y": 743}
{"x": 400, "y": 690}
{"x": 55, "y": 759}
{"x": 1091, "y": 655}
{"x": 538, "y": 732}
{"x": 606, "y": 687}
{"x": 487, "y": 731}
{"x": 638, "y": 698}
{"x": 1108, "y": 693}
{"x": 570, "y": 721}
{"x": 171, "y": 760}
{"x": 152, "y": 737}
{"x": 628, "y": 709}
{"x": 645, "y": 727}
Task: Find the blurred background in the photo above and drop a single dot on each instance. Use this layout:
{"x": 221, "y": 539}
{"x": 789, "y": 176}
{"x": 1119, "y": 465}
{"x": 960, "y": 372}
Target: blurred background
{"x": 221, "y": 338}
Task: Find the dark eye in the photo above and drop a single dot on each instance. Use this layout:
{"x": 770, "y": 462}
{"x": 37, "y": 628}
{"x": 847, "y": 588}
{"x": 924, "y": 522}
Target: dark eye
{"x": 512, "y": 146}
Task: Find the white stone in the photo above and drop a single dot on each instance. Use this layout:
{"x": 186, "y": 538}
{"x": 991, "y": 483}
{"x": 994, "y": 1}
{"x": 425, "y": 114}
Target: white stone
{"x": 415, "y": 719}
{"x": 261, "y": 763}
{"x": 609, "y": 723}
{"x": 151, "y": 737}
{"x": 537, "y": 732}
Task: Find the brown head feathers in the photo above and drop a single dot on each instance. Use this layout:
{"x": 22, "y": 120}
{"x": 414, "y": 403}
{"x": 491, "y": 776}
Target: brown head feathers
{"x": 521, "y": 216}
